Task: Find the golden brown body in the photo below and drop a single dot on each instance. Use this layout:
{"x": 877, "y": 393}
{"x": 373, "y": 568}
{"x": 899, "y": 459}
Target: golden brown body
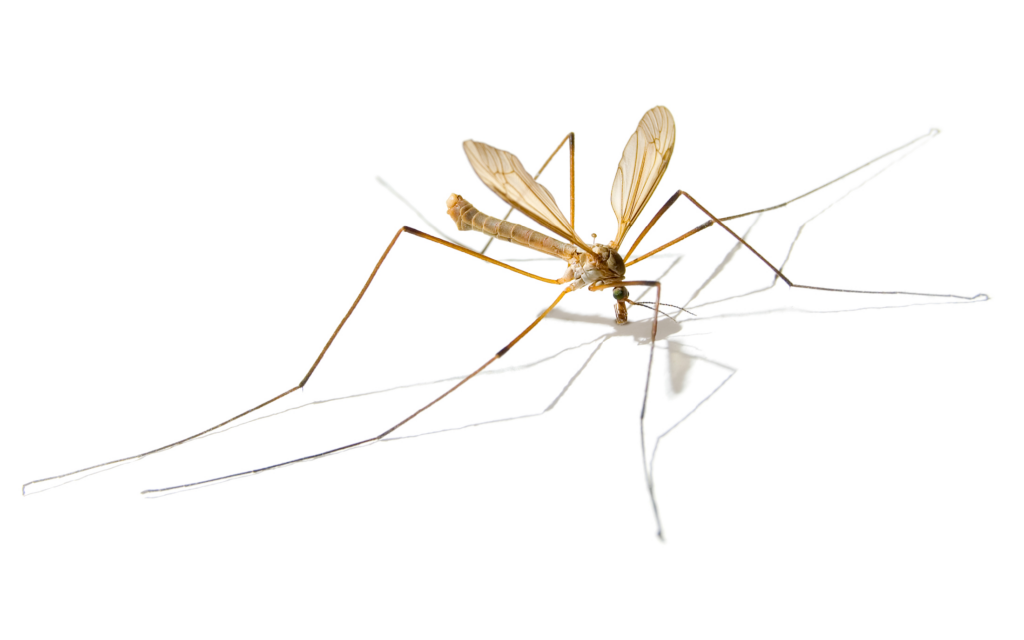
{"x": 469, "y": 218}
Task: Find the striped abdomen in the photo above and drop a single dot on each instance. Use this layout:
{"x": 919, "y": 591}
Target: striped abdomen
{"x": 468, "y": 218}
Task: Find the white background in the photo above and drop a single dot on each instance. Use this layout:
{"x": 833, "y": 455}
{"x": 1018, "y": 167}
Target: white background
{"x": 189, "y": 205}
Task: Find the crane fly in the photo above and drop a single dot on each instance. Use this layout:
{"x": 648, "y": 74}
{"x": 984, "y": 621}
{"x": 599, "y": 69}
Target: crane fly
{"x": 591, "y": 266}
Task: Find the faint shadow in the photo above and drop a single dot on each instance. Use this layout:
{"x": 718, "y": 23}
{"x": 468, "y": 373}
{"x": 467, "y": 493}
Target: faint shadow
{"x": 419, "y": 215}
{"x": 42, "y": 486}
{"x": 732, "y": 371}
{"x": 723, "y": 263}
{"x": 558, "y": 397}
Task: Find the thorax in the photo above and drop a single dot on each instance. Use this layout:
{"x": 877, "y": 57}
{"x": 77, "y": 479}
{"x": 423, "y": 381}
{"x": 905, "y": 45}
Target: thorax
{"x": 602, "y": 268}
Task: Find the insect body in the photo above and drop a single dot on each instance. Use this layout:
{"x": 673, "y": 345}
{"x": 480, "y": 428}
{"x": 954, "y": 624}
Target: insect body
{"x": 602, "y": 265}
{"x": 598, "y": 266}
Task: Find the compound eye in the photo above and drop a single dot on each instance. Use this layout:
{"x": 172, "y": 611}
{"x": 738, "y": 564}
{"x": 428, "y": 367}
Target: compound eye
{"x": 620, "y": 293}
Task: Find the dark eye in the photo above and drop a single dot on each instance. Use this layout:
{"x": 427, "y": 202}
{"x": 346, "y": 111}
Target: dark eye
{"x": 620, "y": 293}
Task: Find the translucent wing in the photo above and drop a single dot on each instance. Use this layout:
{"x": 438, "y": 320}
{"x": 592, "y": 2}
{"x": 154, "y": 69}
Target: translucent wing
{"x": 644, "y": 161}
{"x": 505, "y": 175}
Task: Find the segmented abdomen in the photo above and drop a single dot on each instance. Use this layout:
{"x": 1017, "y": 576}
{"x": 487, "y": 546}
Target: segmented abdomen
{"x": 467, "y": 217}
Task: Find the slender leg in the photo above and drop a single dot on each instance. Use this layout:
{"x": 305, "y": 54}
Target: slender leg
{"x": 804, "y": 286}
{"x": 309, "y": 373}
{"x": 383, "y": 434}
{"x": 572, "y": 199}
{"x": 648, "y": 475}
{"x": 671, "y": 201}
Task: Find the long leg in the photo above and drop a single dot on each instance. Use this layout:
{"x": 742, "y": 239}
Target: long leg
{"x": 805, "y": 286}
{"x": 383, "y": 434}
{"x": 932, "y": 133}
{"x": 323, "y": 351}
{"x": 572, "y": 182}
{"x": 648, "y": 472}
